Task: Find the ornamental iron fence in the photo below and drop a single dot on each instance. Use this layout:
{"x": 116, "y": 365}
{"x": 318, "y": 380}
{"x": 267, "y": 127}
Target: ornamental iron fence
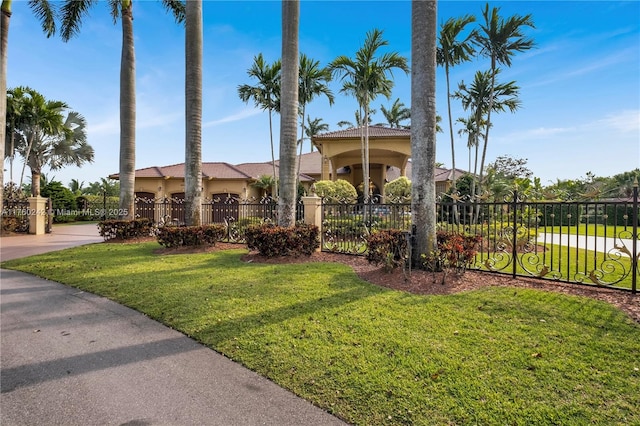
{"x": 588, "y": 242}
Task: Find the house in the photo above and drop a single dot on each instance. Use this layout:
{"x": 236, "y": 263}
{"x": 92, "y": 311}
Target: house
{"x": 338, "y": 157}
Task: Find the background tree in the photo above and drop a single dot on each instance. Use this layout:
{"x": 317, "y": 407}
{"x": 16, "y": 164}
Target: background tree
{"x": 265, "y": 184}
{"x": 265, "y": 95}
{"x": 313, "y": 81}
{"x": 289, "y": 113}
{"x": 313, "y": 127}
{"x": 193, "y": 113}
{"x": 478, "y": 98}
{"x": 499, "y": 39}
{"x": 366, "y": 77}
{"x": 76, "y": 186}
{"x": 450, "y": 53}
{"x": 46, "y": 14}
{"x": 423, "y": 125}
{"x": 72, "y": 13}
{"x": 110, "y": 188}
{"x": 396, "y": 114}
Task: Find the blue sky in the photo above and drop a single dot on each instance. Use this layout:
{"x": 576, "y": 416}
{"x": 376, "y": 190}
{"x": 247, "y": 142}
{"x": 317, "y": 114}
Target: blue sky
{"x": 579, "y": 88}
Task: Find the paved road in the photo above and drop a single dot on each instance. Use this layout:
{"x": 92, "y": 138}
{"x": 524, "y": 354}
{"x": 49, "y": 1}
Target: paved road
{"x": 72, "y": 358}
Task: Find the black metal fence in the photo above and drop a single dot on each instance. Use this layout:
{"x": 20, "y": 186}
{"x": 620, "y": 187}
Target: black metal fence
{"x": 594, "y": 242}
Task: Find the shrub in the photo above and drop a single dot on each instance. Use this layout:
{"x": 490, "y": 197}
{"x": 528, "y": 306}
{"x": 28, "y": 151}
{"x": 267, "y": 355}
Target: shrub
{"x": 387, "y": 247}
{"x": 398, "y": 190}
{"x": 178, "y": 236}
{"x": 455, "y": 251}
{"x": 271, "y": 240}
{"x": 125, "y": 229}
{"x": 339, "y": 191}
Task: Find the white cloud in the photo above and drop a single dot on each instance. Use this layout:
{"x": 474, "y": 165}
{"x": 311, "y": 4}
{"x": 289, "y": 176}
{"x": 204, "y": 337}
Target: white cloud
{"x": 624, "y": 121}
{"x": 245, "y": 113}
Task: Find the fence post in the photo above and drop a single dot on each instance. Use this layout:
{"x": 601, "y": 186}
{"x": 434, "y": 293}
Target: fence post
{"x": 312, "y": 210}
{"x": 514, "y": 248}
{"x": 634, "y": 243}
{"x": 37, "y": 215}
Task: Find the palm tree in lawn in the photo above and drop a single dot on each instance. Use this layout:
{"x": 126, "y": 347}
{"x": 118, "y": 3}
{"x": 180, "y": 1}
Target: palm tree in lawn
{"x": 193, "y": 116}
{"x": 289, "y": 113}
{"x": 72, "y": 13}
{"x": 312, "y": 82}
{"x": 423, "y": 126}
{"x": 499, "y": 39}
{"x": 452, "y": 52}
{"x": 265, "y": 95}
{"x": 366, "y": 77}
{"x": 46, "y": 14}
{"x": 396, "y": 114}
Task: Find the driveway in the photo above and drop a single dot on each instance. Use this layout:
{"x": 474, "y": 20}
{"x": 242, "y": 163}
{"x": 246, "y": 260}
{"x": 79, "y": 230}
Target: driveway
{"x": 73, "y": 358}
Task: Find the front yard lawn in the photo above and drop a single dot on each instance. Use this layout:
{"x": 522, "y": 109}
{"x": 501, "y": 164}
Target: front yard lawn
{"x": 375, "y": 356}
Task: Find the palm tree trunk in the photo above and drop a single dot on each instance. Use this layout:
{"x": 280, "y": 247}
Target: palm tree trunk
{"x": 289, "y": 113}
{"x": 456, "y": 215}
{"x": 5, "y": 17}
{"x": 301, "y": 143}
{"x": 486, "y": 132}
{"x": 193, "y": 101}
{"x": 32, "y": 137}
{"x": 423, "y": 125}
{"x": 127, "y": 115}
{"x": 365, "y": 166}
{"x": 274, "y": 189}
{"x": 35, "y": 182}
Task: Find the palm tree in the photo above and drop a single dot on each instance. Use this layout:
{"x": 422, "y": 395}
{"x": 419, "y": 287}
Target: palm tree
{"x": 499, "y": 39}
{"x": 72, "y": 14}
{"x": 265, "y": 95}
{"x": 472, "y": 131}
{"x": 313, "y": 128}
{"x": 312, "y": 82}
{"x": 423, "y": 126}
{"x": 76, "y": 186}
{"x": 366, "y": 78}
{"x": 265, "y": 183}
{"x": 193, "y": 102}
{"x": 452, "y": 52}
{"x": 358, "y": 120}
{"x": 481, "y": 97}
{"x": 289, "y": 113}
{"x": 15, "y": 114}
{"x": 397, "y": 113}
{"x": 46, "y": 14}
{"x": 47, "y": 138}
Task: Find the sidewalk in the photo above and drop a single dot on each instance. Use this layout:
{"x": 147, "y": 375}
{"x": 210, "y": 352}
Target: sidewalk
{"x": 73, "y": 358}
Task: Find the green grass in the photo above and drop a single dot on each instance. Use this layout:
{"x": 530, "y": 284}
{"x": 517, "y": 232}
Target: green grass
{"x": 568, "y": 264}
{"x": 375, "y": 356}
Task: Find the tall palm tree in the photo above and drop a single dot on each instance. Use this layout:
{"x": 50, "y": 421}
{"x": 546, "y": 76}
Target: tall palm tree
{"x": 423, "y": 125}
{"x": 193, "y": 116}
{"x": 472, "y": 131}
{"x": 358, "y": 120}
{"x": 366, "y": 77}
{"x": 396, "y": 114}
{"x": 72, "y": 13}
{"x": 289, "y": 113}
{"x": 452, "y": 52}
{"x": 312, "y": 82}
{"x": 499, "y": 39}
{"x": 265, "y": 95}
{"x": 46, "y": 14}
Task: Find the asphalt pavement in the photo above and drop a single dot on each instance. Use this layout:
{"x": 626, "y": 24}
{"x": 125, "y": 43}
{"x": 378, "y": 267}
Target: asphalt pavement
{"x": 72, "y": 358}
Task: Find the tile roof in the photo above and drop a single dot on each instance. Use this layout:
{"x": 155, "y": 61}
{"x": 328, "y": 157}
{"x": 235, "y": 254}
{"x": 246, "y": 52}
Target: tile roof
{"x": 374, "y": 132}
{"x": 217, "y": 170}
